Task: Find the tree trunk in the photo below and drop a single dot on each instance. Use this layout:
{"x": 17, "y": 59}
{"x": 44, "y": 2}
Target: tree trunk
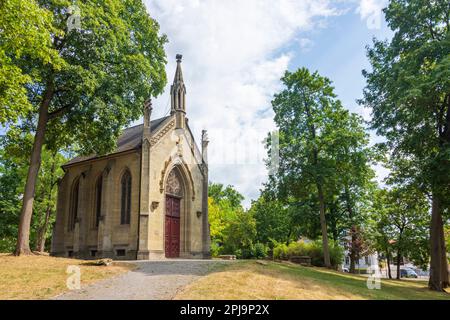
{"x": 435, "y": 281}
{"x": 388, "y": 261}
{"x": 40, "y": 243}
{"x": 399, "y": 259}
{"x": 323, "y": 224}
{"x": 444, "y": 263}
{"x": 353, "y": 249}
{"x": 353, "y": 253}
{"x": 23, "y": 238}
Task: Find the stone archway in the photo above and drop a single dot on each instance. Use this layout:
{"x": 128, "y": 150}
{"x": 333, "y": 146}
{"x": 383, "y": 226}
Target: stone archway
{"x": 174, "y": 213}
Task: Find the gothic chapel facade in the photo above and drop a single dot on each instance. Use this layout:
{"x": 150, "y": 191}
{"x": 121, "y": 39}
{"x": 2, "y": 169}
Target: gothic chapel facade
{"x": 146, "y": 200}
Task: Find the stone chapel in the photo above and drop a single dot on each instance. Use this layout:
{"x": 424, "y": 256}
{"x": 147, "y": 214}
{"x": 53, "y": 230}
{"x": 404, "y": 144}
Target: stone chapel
{"x": 148, "y": 199}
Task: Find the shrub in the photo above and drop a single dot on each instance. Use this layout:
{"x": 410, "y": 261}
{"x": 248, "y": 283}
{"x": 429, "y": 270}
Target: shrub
{"x": 313, "y": 250}
{"x": 297, "y": 249}
{"x": 216, "y": 249}
{"x": 260, "y": 251}
{"x": 280, "y": 252}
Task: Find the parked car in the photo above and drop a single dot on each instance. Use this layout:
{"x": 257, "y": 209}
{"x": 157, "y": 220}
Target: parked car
{"x": 345, "y": 269}
{"x": 408, "y": 273}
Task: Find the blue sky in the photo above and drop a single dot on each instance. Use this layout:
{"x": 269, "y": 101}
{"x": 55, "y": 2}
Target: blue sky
{"x": 338, "y": 52}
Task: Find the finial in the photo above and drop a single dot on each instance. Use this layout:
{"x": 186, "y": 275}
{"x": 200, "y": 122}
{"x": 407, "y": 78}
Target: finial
{"x": 205, "y": 136}
{"x": 179, "y": 57}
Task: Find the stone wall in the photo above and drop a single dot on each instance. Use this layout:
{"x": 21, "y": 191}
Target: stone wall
{"x": 110, "y": 238}
{"x": 169, "y": 150}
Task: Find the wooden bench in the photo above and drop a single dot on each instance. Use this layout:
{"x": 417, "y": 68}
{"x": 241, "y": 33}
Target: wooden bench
{"x": 227, "y": 257}
{"x": 302, "y": 260}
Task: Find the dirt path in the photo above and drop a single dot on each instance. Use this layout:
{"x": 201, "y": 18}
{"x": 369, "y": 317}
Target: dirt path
{"x": 152, "y": 280}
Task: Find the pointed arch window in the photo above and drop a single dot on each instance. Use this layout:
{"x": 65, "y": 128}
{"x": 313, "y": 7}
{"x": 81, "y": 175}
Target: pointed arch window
{"x": 125, "y": 199}
{"x": 98, "y": 200}
{"x": 73, "y": 209}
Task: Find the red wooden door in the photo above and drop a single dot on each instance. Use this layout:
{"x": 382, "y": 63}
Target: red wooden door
{"x": 172, "y": 226}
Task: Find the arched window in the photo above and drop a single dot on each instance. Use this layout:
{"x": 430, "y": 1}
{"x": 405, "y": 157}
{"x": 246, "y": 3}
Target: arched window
{"x": 73, "y": 209}
{"x": 98, "y": 199}
{"x": 125, "y": 199}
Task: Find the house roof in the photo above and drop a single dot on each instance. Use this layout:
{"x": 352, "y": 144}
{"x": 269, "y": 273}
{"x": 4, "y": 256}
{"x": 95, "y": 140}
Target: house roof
{"x": 131, "y": 138}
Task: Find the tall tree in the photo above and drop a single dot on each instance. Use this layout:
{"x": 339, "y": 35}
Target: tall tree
{"x": 15, "y": 146}
{"x": 380, "y": 228}
{"x": 401, "y": 218}
{"x": 313, "y": 126}
{"x": 106, "y": 68}
{"x": 408, "y": 90}
{"x": 354, "y": 179}
{"x": 25, "y": 35}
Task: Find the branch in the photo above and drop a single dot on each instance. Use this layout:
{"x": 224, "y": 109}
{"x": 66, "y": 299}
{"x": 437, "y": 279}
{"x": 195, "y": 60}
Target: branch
{"x": 58, "y": 112}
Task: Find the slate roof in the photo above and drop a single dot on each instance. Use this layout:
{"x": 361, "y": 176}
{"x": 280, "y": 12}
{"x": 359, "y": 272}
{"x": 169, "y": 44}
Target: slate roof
{"x": 131, "y": 138}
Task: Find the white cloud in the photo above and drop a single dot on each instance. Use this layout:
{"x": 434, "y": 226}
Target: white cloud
{"x": 371, "y": 11}
{"x": 233, "y": 59}
{"x": 305, "y": 44}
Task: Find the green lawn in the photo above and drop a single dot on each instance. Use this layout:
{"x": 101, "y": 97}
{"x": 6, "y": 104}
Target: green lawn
{"x": 251, "y": 280}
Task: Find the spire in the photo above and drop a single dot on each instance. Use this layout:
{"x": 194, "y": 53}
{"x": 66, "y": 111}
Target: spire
{"x": 178, "y": 90}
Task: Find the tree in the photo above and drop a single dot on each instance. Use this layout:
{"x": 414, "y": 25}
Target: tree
{"x": 354, "y": 180}
{"x": 447, "y": 236}
{"x": 273, "y": 221}
{"x": 224, "y": 206}
{"x": 239, "y": 236}
{"x": 323, "y": 151}
{"x": 103, "y": 73}
{"x": 218, "y": 192}
{"x": 408, "y": 90}
{"x": 400, "y": 219}
{"x": 26, "y": 31}
{"x": 380, "y": 229}
{"x": 16, "y": 145}
{"x": 46, "y": 196}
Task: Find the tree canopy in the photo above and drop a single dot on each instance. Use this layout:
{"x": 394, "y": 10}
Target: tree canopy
{"x": 408, "y": 89}
{"x": 76, "y": 85}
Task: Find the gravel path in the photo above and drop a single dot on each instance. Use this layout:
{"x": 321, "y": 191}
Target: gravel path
{"x": 152, "y": 280}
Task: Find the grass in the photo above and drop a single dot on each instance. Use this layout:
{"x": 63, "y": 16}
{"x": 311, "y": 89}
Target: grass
{"x": 42, "y": 277}
{"x": 272, "y": 281}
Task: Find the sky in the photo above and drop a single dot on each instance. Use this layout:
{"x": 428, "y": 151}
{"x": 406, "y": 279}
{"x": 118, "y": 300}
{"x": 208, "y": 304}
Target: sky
{"x": 236, "y": 51}
{"x": 234, "y": 54}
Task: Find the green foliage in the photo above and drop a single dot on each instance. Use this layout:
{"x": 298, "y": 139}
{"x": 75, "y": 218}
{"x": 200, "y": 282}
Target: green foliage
{"x": 408, "y": 90}
{"x": 313, "y": 249}
{"x": 97, "y": 77}
{"x": 325, "y": 160}
{"x": 399, "y": 224}
{"x": 273, "y": 221}
{"x": 220, "y": 193}
{"x": 260, "y": 250}
{"x": 240, "y": 235}
{"x": 232, "y": 230}
{"x": 13, "y": 169}
{"x": 280, "y": 251}
{"x": 25, "y": 44}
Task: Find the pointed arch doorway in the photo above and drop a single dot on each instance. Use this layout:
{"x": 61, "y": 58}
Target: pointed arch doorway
{"x": 174, "y": 197}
